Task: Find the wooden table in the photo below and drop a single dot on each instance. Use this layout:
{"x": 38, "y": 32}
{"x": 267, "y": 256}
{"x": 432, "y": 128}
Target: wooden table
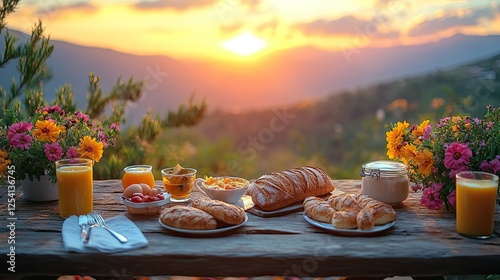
{"x": 421, "y": 243}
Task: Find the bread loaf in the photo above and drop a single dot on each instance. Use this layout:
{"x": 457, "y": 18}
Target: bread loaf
{"x": 283, "y": 188}
{"x": 318, "y": 209}
{"x": 220, "y": 210}
{"x": 186, "y": 217}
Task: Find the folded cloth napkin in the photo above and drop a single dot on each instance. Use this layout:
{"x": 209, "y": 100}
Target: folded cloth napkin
{"x": 100, "y": 238}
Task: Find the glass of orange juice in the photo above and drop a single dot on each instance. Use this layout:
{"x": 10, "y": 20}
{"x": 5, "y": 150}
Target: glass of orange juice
{"x": 75, "y": 186}
{"x": 476, "y": 194}
{"x": 136, "y": 174}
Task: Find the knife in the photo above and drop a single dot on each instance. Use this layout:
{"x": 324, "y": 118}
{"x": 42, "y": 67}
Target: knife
{"x": 82, "y": 221}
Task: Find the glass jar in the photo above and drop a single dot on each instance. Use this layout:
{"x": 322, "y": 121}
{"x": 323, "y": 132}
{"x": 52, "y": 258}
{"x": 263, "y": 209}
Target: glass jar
{"x": 385, "y": 181}
{"x": 136, "y": 174}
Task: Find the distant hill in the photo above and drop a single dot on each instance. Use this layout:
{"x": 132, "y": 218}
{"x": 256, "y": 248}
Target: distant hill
{"x": 345, "y": 130}
{"x": 284, "y": 77}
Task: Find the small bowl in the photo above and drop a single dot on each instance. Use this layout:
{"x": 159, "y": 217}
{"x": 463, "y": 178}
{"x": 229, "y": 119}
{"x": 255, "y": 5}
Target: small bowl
{"x": 145, "y": 208}
{"x": 230, "y": 196}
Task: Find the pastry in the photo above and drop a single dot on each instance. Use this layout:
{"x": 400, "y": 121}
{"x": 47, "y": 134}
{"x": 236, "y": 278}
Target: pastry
{"x": 186, "y": 217}
{"x": 382, "y": 213}
{"x": 276, "y": 190}
{"x": 220, "y": 210}
{"x": 318, "y": 209}
{"x": 345, "y": 219}
{"x": 343, "y": 202}
{"x": 365, "y": 220}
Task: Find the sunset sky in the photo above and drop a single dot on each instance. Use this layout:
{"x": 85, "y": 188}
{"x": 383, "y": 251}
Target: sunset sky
{"x": 206, "y": 28}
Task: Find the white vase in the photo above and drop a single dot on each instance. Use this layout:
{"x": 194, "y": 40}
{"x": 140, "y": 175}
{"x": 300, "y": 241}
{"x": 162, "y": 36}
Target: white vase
{"x": 39, "y": 190}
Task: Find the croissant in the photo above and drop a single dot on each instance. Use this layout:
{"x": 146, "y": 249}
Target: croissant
{"x": 276, "y": 190}
{"x": 343, "y": 202}
{"x": 318, "y": 209}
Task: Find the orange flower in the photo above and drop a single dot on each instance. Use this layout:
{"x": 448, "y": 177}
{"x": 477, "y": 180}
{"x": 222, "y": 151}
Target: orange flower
{"x": 90, "y": 148}
{"x": 395, "y": 140}
{"x": 46, "y": 131}
{"x": 425, "y": 162}
{"x": 3, "y": 162}
{"x": 419, "y": 131}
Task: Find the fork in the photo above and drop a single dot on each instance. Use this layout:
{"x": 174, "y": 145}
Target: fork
{"x": 102, "y": 223}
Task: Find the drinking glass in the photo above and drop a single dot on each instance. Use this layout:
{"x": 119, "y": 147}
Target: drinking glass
{"x": 136, "y": 174}
{"x": 75, "y": 186}
{"x": 179, "y": 186}
{"x": 476, "y": 194}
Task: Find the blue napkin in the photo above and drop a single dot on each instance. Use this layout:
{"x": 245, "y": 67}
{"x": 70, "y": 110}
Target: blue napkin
{"x": 100, "y": 239}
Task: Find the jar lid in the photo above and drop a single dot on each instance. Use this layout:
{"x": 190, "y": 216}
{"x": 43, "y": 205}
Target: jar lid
{"x": 384, "y": 168}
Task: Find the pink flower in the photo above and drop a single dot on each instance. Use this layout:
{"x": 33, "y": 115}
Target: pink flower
{"x": 457, "y": 155}
{"x": 452, "y": 198}
{"x": 430, "y": 197}
{"x": 492, "y": 166}
{"x": 19, "y": 127}
{"x": 21, "y": 141}
{"x": 53, "y": 151}
{"x": 427, "y": 132}
{"x": 453, "y": 172}
{"x": 72, "y": 152}
{"x": 114, "y": 126}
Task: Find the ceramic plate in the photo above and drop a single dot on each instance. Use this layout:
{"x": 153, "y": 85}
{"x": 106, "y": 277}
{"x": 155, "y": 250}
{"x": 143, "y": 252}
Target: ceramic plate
{"x": 203, "y": 231}
{"x": 353, "y": 232}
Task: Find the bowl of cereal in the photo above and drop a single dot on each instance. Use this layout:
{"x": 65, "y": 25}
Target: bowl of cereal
{"x": 224, "y": 188}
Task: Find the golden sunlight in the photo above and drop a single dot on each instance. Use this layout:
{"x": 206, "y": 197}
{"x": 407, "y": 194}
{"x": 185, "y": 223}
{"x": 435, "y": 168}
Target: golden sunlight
{"x": 244, "y": 44}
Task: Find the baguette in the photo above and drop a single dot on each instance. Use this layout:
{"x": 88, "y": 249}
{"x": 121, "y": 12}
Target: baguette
{"x": 276, "y": 190}
{"x": 318, "y": 209}
{"x": 220, "y": 210}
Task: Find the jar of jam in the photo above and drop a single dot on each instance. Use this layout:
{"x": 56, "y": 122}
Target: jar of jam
{"x": 385, "y": 181}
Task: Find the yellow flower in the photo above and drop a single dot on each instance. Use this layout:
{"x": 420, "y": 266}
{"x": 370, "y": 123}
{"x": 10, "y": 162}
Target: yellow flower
{"x": 395, "y": 139}
{"x": 46, "y": 131}
{"x": 90, "y": 148}
{"x": 409, "y": 153}
{"x": 424, "y": 162}
{"x": 3, "y": 162}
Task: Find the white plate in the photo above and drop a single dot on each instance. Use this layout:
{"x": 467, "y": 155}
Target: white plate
{"x": 343, "y": 231}
{"x": 203, "y": 231}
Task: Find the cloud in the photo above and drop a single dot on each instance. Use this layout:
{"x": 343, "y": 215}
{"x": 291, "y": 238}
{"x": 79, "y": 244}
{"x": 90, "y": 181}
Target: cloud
{"x": 347, "y": 25}
{"x": 271, "y": 26}
{"x": 231, "y": 28}
{"x": 470, "y": 18}
{"x": 49, "y": 8}
{"x": 179, "y": 5}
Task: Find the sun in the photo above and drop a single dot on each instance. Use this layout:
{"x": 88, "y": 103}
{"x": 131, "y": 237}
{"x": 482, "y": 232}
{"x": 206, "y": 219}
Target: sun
{"x": 245, "y": 44}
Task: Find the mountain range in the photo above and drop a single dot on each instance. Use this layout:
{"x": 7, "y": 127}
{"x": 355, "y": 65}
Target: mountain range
{"x": 284, "y": 77}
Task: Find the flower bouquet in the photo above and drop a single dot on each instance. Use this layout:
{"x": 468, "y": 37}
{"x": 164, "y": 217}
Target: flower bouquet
{"x": 32, "y": 146}
{"x": 434, "y": 155}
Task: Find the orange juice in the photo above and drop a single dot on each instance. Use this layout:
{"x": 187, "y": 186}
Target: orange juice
{"x": 476, "y": 201}
{"x": 136, "y": 174}
{"x": 75, "y": 188}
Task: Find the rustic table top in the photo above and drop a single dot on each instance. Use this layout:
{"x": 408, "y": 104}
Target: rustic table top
{"x": 422, "y": 242}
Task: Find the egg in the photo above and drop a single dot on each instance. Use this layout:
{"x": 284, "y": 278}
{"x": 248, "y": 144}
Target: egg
{"x": 145, "y": 188}
{"x": 153, "y": 192}
{"x": 130, "y": 190}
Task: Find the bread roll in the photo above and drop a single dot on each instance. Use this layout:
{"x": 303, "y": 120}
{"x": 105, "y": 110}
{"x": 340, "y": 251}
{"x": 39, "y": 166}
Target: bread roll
{"x": 186, "y": 217}
{"x": 283, "y": 188}
{"x": 220, "y": 210}
{"x": 365, "y": 220}
{"x": 345, "y": 219}
{"x": 318, "y": 209}
{"x": 344, "y": 202}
